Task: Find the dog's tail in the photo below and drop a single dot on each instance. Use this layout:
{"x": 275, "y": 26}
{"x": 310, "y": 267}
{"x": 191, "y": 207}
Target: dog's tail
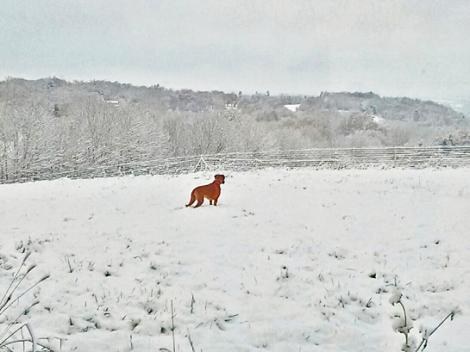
{"x": 192, "y": 200}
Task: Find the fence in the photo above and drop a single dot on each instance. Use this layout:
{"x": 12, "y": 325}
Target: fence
{"x": 332, "y": 158}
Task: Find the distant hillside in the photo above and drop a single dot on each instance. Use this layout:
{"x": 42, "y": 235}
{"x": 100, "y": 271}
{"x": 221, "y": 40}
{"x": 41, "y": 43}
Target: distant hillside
{"x": 61, "y": 92}
{"x": 58, "y": 91}
{"x": 389, "y": 108}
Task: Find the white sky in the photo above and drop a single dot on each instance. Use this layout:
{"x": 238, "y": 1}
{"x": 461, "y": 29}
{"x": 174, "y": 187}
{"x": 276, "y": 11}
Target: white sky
{"x": 417, "y": 48}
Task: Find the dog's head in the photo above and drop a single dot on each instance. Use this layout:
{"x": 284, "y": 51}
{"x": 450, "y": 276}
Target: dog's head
{"x": 219, "y": 178}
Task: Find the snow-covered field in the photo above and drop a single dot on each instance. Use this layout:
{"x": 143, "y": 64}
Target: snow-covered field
{"x": 298, "y": 260}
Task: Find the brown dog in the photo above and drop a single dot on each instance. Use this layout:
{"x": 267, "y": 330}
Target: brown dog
{"x": 210, "y": 191}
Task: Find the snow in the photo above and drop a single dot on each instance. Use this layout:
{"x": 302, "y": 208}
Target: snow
{"x": 378, "y": 119}
{"x": 291, "y": 260}
{"x": 292, "y": 107}
{"x": 396, "y": 296}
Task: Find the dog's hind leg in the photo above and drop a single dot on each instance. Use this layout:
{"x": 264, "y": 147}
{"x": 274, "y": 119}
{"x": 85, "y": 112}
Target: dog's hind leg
{"x": 199, "y": 202}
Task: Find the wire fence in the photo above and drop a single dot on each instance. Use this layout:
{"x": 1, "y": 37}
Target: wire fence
{"x": 330, "y": 158}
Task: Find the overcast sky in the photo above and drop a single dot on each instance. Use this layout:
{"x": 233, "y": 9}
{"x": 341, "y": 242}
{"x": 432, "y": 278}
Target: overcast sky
{"x": 417, "y": 48}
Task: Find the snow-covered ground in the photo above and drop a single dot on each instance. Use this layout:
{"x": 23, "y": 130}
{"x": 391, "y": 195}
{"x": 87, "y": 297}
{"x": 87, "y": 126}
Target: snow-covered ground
{"x": 292, "y": 107}
{"x": 298, "y": 260}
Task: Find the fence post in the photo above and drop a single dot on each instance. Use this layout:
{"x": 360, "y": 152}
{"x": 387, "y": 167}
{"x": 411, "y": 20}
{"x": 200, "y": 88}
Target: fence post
{"x": 201, "y": 163}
